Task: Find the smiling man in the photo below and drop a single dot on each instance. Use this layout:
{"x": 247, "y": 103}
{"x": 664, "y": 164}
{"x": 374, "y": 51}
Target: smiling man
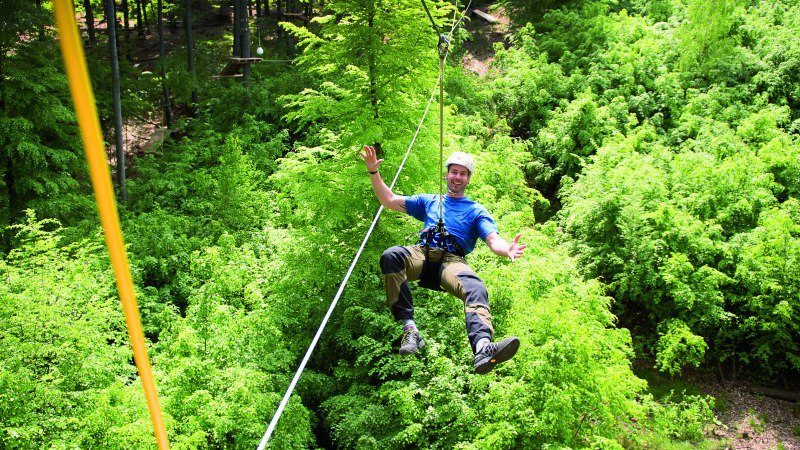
{"x": 438, "y": 262}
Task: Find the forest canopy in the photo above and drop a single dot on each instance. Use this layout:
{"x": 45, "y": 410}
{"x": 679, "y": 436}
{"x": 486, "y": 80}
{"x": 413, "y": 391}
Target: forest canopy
{"x": 647, "y": 150}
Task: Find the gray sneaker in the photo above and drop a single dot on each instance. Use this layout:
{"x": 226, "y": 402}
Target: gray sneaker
{"x": 411, "y": 342}
{"x": 494, "y": 353}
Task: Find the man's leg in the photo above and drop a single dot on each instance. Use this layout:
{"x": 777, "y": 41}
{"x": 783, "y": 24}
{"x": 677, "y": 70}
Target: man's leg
{"x": 459, "y": 280}
{"x": 399, "y": 266}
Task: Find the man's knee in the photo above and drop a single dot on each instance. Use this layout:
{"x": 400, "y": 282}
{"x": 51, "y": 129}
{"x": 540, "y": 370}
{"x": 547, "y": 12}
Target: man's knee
{"x": 474, "y": 288}
{"x": 393, "y": 259}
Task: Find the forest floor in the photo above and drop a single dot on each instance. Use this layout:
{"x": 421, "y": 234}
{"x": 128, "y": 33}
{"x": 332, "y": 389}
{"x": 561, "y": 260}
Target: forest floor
{"x": 746, "y": 420}
{"x": 749, "y": 420}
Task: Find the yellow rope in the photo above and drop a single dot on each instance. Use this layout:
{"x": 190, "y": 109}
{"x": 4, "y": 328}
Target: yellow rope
{"x": 82, "y": 96}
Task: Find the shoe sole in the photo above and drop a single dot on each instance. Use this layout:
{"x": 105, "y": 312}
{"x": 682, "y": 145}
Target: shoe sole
{"x": 406, "y": 352}
{"x": 505, "y": 353}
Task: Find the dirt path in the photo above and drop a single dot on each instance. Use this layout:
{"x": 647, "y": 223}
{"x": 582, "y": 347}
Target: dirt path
{"x": 753, "y": 421}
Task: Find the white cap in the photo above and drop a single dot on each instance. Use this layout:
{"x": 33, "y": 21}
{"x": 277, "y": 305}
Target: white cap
{"x": 462, "y": 159}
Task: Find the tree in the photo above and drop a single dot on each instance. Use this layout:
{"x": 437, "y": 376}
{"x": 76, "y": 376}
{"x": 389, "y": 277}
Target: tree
{"x": 41, "y": 162}
{"x": 112, "y": 45}
{"x": 140, "y": 25}
{"x": 87, "y": 7}
{"x": 167, "y": 102}
{"x": 523, "y": 12}
{"x": 371, "y": 59}
{"x": 64, "y": 352}
{"x": 710, "y": 40}
{"x": 187, "y": 5}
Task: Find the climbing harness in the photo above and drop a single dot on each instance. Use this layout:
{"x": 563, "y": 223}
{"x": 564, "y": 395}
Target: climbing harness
{"x": 436, "y": 238}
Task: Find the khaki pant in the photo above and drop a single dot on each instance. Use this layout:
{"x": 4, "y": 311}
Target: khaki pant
{"x": 448, "y": 272}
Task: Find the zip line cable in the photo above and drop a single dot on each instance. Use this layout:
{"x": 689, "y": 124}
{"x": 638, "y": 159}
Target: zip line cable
{"x": 442, "y": 55}
{"x": 314, "y": 341}
{"x": 86, "y": 112}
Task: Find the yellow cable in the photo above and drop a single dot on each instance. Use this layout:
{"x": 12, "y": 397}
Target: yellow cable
{"x": 78, "y": 75}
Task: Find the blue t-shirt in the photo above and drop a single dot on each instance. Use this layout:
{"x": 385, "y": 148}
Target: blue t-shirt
{"x": 464, "y": 219}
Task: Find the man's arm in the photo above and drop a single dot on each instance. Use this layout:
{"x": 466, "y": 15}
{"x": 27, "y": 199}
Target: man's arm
{"x": 501, "y": 247}
{"x": 385, "y": 195}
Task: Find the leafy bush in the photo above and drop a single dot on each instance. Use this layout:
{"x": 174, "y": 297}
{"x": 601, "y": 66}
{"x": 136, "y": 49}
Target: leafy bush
{"x": 685, "y": 418}
{"x": 41, "y": 159}
{"x": 222, "y": 368}
{"x": 66, "y": 377}
{"x": 676, "y": 249}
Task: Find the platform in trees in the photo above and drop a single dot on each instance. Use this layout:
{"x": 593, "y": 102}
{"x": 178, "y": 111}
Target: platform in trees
{"x": 234, "y": 67}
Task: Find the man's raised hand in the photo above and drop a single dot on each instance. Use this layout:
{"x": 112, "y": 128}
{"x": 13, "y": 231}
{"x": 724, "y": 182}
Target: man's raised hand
{"x": 370, "y": 158}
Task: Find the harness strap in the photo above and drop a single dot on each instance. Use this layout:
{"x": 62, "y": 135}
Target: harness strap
{"x": 431, "y": 275}
{"x": 440, "y": 238}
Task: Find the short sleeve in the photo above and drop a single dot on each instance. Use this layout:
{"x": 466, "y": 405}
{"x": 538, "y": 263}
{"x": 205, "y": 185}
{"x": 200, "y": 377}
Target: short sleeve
{"x": 415, "y": 207}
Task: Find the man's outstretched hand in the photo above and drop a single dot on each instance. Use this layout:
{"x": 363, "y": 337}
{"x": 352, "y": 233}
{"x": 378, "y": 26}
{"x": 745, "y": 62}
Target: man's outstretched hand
{"x": 370, "y": 158}
{"x": 515, "y": 250}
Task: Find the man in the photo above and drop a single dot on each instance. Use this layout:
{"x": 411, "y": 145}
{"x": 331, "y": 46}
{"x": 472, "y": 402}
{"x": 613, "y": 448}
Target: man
{"x": 437, "y": 260}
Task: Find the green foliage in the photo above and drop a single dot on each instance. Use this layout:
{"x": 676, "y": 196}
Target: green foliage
{"x": 225, "y": 175}
{"x": 674, "y": 248}
{"x": 66, "y": 377}
{"x": 20, "y": 17}
{"x": 371, "y": 61}
{"x": 530, "y": 87}
{"x": 225, "y": 365}
{"x": 678, "y": 347}
{"x": 709, "y": 40}
{"x": 772, "y": 31}
{"x": 41, "y": 159}
{"x": 767, "y": 270}
{"x": 685, "y": 418}
{"x": 523, "y": 12}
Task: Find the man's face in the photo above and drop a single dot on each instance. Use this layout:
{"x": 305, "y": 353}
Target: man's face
{"x": 457, "y": 179}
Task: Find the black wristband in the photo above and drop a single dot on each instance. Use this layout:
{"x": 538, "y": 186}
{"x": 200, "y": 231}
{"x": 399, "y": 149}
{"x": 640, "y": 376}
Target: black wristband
{"x": 373, "y": 173}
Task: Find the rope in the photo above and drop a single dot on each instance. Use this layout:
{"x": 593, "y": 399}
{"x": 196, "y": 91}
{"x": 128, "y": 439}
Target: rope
{"x": 314, "y": 341}
{"x": 444, "y": 46}
{"x": 442, "y": 56}
{"x": 85, "y": 109}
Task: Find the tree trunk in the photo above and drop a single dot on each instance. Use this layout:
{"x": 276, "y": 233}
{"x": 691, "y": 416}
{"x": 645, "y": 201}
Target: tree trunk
{"x": 140, "y": 25}
{"x": 237, "y": 23}
{"x": 126, "y": 18}
{"x": 161, "y": 55}
{"x": 145, "y": 4}
{"x": 244, "y": 41}
{"x": 111, "y": 21}
{"x": 87, "y": 5}
{"x": 187, "y": 23}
